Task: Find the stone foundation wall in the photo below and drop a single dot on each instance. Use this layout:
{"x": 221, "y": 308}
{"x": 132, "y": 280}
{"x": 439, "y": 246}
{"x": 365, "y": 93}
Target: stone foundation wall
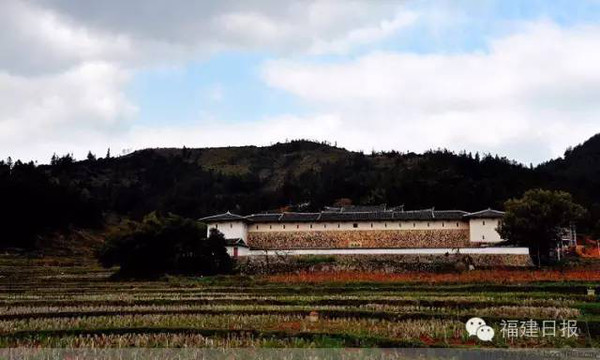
{"x": 359, "y": 239}
{"x": 378, "y": 263}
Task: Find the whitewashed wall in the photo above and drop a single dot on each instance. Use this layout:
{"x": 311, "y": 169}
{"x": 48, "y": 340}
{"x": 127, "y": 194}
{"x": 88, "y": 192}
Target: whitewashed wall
{"x": 231, "y": 230}
{"x": 362, "y": 225}
{"x": 241, "y": 251}
{"x": 484, "y": 230}
{"x": 416, "y": 251}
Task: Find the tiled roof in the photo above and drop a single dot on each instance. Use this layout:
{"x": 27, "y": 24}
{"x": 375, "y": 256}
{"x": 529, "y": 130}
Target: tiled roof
{"x": 286, "y": 217}
{"x": 263, "y": 217}
{"x": 235, "y": 242}
{"x": 488, "y": 213}
{"x": 223, "y": 217}
{"x": 330, "y": 215}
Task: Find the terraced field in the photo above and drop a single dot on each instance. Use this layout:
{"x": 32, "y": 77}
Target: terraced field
{"x": 61, "y": 303}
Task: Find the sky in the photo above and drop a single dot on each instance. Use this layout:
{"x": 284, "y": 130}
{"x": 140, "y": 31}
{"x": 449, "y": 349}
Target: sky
{"x": 516, "y": 78}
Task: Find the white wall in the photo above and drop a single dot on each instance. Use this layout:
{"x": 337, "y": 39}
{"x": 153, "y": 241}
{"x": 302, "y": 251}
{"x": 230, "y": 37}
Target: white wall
{"x": 231, "y": 229}
{"x": 242, "y": 250}
{"x": 484, "y": 230}
{"x": 414, "y": 251}
{"x": 362, "y": 225}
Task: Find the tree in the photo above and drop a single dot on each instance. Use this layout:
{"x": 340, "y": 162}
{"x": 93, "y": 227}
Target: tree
{"x": 90, "y": 156}
{"x": 165, "y": 245}
{"x": 537, "y": 221}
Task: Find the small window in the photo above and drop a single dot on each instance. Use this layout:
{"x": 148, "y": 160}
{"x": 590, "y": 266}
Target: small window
{"x": 284, "y": 226}
{"x": 456, "y": 224}
{"x": 414, "y": 224}
{"x": 371, "y": 224}
{"x": 385, "y": 224}
{"x": 338, "y": 225}
{"x": 483, "y": 222}
{"x": 443, "y": 224}
{"x": 399, "y": 224}
{"x": 216, "y": 226}
{"x": 231, "y": 226}
{"x": 297, "y": 226}
{"x": 482, "y": 237}
{"x": 270, "y": 226}
{"x": 355, "y": 225}
{"x": 256, "y": 227}
{"x": 311, "y": 226}
{"x": 427, "y": 224}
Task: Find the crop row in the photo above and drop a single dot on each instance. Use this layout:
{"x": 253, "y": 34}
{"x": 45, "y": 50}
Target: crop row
{"x": 393, "y": 311}
{"x": 405, "y": 329}
{"x": 469, "y": 302}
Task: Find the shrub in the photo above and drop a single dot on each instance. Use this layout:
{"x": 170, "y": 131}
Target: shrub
{"x": 165, "y": 245}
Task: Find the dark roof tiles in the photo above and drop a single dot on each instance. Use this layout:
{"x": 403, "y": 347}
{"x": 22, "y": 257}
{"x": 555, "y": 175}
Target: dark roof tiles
{"x": 488, "y": 213}
{"x": 334, "y": 216}
{"x": 223, "y": 217}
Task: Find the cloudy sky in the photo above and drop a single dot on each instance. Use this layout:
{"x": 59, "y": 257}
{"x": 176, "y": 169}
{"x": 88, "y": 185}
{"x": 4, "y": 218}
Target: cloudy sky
{"x": 517, "y": 78}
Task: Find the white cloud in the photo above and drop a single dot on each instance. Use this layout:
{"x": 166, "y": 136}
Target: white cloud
{"x": 364, "y": 35}
{"x": 64, "y": 64}
{"x": 532, "y": 95}
{"x": 52, "y": 112}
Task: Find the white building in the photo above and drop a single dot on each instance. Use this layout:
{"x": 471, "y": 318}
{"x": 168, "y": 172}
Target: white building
{"x": 362, "y": 230}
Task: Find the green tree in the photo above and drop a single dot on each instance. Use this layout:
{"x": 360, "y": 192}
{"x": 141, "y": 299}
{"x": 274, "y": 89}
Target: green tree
{"x": 537, "y": 221}
{"x": 165, "y": 245}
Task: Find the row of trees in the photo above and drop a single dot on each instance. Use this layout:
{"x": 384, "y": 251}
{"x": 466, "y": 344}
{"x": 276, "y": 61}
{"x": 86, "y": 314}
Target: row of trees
{"x": 33, "y": 204}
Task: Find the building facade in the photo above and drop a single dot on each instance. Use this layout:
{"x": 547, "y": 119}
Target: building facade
{"x": 359, "y": 230}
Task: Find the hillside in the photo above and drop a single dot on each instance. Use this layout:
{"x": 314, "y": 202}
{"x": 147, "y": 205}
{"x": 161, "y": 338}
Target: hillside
{"x": 296, "y": 175}
{"x": 578, "y": 172}
{"x": 197, "y": 182}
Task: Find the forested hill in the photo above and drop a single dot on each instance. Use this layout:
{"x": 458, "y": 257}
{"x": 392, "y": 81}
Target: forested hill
{"x": 300, "y": 175}
{"x": 197, "y": 182}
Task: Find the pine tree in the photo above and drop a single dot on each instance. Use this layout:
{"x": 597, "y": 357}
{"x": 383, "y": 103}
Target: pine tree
{"x": 90, "y": 156}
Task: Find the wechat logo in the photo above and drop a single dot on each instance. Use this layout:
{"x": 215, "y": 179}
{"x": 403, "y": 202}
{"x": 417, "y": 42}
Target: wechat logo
{"x": 476, "y": 326}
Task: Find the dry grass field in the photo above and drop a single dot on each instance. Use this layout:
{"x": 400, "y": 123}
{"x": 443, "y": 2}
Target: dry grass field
{"x": 65, "y": 303}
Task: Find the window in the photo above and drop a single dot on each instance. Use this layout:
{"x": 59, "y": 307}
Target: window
{"x": 338, "y": 225}
{"x": 427, "y": 224}
{"x": 355, "y": 225}
{"x": 456, "y": 224}
{"x": 399, "y": 224}
{"x": 297, "y": 226}
{"x": 414, "y": 224}
{"x": 216, "y": 226}
{"x": 270, "y": 226}
{"x": 443, "y": 224}
{"x": 231, "y": 226}
{"x": 284, "y": 226}
{"x": 371, "y": 224}
{"x": 482, "y": 237}
{"x": 385, "y": 224}
{"x": 256, "y": 227}
{"x": 483, "y": 222}
{"x": 311, "y": 226}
